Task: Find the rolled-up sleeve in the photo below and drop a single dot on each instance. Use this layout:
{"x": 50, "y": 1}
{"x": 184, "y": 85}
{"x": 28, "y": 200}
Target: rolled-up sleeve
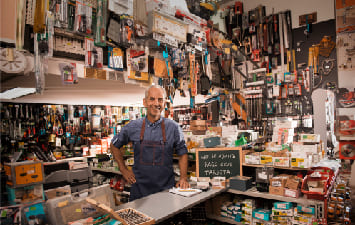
{"x": 179, "y": 145}
{"x": 121, "y": 138}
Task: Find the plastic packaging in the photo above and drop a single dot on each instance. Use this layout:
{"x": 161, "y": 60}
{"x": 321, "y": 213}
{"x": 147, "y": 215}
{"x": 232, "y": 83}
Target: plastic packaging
{"x": 83, "y": 18}
{"x": 68, "y": 73}
{"x": 93, "y": 54}
{"x": 100, "y": 32}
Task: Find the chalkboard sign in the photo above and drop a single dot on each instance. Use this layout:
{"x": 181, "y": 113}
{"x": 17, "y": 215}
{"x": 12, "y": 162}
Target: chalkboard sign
{"x": 218, "y": 162}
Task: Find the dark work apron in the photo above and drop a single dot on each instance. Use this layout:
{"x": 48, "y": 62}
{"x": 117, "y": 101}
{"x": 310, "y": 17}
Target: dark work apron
{"x": 153, "y": 167}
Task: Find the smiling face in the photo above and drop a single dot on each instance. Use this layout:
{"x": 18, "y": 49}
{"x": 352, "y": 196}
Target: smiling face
{"x": 154, "y": 102}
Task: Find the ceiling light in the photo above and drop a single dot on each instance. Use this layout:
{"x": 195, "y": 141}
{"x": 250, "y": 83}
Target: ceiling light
{"x": 16, "y": 92}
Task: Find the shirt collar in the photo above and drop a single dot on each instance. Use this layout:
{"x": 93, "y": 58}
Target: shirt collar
{"x": 156, "y": 123}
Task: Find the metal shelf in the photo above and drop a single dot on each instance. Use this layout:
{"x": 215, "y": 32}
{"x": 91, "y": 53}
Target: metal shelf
{"x": 277, "y": 167}
{"x": 346, "y": 138}
{"x": 105, "y": 170}
{"x": 252, "y": 193}
{"x": 223, "y": 219}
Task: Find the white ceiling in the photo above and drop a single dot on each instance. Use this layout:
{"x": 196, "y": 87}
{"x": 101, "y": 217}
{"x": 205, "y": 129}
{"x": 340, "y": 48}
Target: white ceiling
{"x": 86, "y": 92}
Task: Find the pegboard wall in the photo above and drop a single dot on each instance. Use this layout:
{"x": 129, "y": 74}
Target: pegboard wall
{"x": 346, "y": 51}
{"x": 303, "y": 40}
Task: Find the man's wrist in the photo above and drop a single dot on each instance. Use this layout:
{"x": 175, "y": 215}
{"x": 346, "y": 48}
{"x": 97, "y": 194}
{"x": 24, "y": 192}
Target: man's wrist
{"x": 183, "y": 178}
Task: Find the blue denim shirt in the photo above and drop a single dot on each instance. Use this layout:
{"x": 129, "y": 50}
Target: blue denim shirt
{"x": 131, "y": 133}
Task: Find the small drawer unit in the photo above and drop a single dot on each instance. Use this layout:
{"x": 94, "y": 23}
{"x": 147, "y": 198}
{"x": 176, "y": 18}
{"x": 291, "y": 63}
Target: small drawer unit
{"x": 20, "y": 174}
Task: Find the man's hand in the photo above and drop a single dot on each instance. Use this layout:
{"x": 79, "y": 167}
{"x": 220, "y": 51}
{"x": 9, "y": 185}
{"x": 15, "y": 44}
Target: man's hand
{"x": 182, "y": 183}
{"x": 128, "y": 175}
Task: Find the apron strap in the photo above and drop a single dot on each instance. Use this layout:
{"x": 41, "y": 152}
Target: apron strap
{"x": 142, "y": 130}
{"x": 163, "y": 130}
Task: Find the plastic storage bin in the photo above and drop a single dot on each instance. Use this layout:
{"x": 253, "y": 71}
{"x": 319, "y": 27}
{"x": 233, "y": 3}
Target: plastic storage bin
{"x": 65, "y": 209}
{"x": 321, "y": 175}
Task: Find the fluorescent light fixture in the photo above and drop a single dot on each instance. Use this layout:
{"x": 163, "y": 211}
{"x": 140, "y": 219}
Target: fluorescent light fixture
{"x": 16, "y": 92}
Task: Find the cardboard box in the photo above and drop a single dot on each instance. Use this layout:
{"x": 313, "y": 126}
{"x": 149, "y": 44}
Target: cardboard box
{"x": 164, "y": 24}
{"x": 198, "y": 123}
{"x": 261, "y": 222}
{"x": 252, "y": 158}
{"x": 263, "y": 175}
{"x": 279, "y": 181}
{"x": 293, "y": 183}
{"x": 304, "y": 209}
{"x": 217, "y": 130}
{"x": 302, "y": 219}
{"x": 266, "y": 157}
{"x": 247, "y": 212}
{"x": 311, "y": 148}
{"x": 218, "y": 182}
{"x": 282, "y": 212}
{"x": 300, "y": 162}
{"x": 286, "y": 123}
{"x": 248, "y": 203}
{"x": 281, "y": 153}
{"x": 262, "y": 214}
{"x": 280, "y": 220}
{"x": 198, "y": 127}
{"x": 199, "y": 132}
{"x": 283, "y": 205}
{"x": 281, "y": 161}
{"x": 265, "y": 160}
{"x": 95, "y": 73}
{"x": 276, "y": 190}
{"x": 247, "y": 221}
{"x": 244, "y": 153}
{"x": 292, "y": 193}
{"x": 58, "y": 192}
{"x": 310, "y": 138}
{"x": 300, "y": 159}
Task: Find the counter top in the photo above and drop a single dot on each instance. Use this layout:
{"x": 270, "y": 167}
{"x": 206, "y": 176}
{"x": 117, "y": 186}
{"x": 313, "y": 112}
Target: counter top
{"x": 163, "y": 205}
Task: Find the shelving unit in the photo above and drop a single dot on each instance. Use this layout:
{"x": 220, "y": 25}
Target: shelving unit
{"x": 223, "y": 219}
{"x": 318, "y": 204}
{"x": 277, "y": 167}
{"x": 106, "y": 170}
{"x": 253, "y": 193}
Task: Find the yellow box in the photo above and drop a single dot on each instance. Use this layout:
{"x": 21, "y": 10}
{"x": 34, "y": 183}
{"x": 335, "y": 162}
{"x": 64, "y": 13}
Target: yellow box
{"x": 265, "y": 159}
{"x": 299, "y": 162}
{"x": 20, "y": 174}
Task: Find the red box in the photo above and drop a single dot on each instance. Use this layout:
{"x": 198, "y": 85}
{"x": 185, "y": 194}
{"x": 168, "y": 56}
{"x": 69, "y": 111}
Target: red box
{"x": 327, "y": 174}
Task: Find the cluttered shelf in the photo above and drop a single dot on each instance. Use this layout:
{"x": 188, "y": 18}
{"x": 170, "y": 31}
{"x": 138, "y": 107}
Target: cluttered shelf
{"x": 223, "y": 219}
{"x": 253, "y": 193}
{"x": 277, "y": 167}
{"x": 105, "y": 170}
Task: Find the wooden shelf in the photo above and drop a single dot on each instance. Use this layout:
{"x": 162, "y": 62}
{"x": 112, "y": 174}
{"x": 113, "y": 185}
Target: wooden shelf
{"x": 277, "y": 167}
{"x": 223, "y": 219}
{"x": 254, "y": 193}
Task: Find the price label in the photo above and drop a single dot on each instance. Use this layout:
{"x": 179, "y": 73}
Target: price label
{"x": 58, "y": 142}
